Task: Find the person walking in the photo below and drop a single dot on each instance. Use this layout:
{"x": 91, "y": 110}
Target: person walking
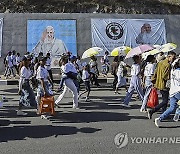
{"x": 114, "y": 68}
{"x": 9, "y": 69}
{"x": 48, "y": 65}
{"x": 121, "y": 74}
{"x": 148, "y": 73}
{"x": 68, "y": 81}
{"x": 86, "y": 79}
{"x": 174, "y": 94}
{"x": 27, "y": 96}
{"x": 94, "y": 70}
{"x": 44, "y": 81}
{"x": 135, "y": 83}
{"x": 160, "y": 77}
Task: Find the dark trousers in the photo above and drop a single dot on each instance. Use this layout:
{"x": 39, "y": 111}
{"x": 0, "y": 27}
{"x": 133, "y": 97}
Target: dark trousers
{"x": 164, "y": 103}
{"x": 50, "y": 74}
{"x": 115, "y": 81}
{"x": 94, "y": 79}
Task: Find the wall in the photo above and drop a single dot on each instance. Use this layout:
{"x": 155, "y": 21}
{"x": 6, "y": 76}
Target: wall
{"x": 15, "y": 28}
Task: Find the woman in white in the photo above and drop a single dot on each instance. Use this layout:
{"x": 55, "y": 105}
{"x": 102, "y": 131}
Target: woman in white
{"x": 148, "y": 73}
{"x": 121, "y": 74}
{"x": 27, "y": 97}
{"x": 44, "y": 81}
{"x": 69, "y": 84}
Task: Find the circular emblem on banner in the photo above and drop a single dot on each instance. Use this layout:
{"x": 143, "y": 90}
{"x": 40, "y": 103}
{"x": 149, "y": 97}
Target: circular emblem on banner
{"x": 114, "y": 31}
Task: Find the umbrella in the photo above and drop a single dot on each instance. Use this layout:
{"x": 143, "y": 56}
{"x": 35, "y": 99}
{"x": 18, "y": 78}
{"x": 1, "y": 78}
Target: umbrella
{"x": 91, "y": 52}
{"x": 164, "y": 48}
{"x": 138, "y": 50}
{"x": 168, "y": 47}
{"x": 120, "y": 50}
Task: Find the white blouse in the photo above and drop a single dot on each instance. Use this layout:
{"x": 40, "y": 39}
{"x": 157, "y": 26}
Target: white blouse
{"x": 135, "y": 69}
{"x": 25, "y": 73}
{"x": 48, "y": 63}
{"x": 85, "y": 75}
{"x": 175, "y": 82}
{"x": 42, "y": 73}
{"x": 149, "y": 70}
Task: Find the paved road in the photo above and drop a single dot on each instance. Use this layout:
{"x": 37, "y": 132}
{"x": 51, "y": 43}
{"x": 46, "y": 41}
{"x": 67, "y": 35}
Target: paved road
{"x": 91, "y": 129}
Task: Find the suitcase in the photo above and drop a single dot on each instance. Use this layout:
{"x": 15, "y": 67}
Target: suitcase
{"x": 47, "y": 105}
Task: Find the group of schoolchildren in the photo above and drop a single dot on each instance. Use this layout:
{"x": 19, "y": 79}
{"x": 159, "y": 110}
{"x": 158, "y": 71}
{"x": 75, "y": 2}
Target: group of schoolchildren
{"x": 151, "y": 72}
{"x": 161, "y": 73}
{"x": 36, "y": 73}
{"x": 11, "y": 62}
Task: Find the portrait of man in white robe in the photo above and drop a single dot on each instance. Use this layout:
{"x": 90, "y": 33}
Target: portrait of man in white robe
{"x": 145, "y": 36}
{"x": 49, "y": 44}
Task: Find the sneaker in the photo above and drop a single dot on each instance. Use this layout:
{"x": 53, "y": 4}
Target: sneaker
{"x": 149, "y": 112}
{"x": 44, "y": 117}
{"x": 176, "y": 117}
{"x": 75, "y": 107}
{"x": 87, "y": 99}
{"x": 125, "y": 105}
{"x": 21, "y": 113}
{"x": 56, "y": 105}
{"x": 157, "y": 122}
{"x": 143, "y": 110}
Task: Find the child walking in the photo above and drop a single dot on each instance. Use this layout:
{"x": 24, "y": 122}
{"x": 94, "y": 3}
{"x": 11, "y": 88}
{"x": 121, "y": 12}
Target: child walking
{"x": 86, "y": 80}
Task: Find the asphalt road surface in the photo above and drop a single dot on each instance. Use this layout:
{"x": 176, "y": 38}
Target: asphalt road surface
{"x": 102, "y": 125}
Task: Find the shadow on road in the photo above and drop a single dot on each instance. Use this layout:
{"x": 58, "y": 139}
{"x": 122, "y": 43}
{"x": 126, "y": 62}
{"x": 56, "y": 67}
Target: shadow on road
{"x": 40, "y": 131}
{"x": 87, "y": 117}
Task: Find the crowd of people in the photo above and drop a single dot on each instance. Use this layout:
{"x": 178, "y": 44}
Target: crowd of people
{"x": 160, "y": 72}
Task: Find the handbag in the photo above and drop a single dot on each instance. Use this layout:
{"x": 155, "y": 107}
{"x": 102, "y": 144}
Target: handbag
{"x": 153, "y": 98}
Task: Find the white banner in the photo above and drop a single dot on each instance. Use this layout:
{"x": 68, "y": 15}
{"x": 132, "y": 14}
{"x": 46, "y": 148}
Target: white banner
{"x": 111, "y": 33}
{"x": 1, "y": 27}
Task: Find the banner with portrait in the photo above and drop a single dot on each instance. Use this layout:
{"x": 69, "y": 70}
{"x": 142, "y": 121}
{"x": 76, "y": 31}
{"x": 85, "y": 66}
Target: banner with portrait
{"x": 111, "y": 33}
{"x": 1, "y": 28}
{"x": 51, "y": 36}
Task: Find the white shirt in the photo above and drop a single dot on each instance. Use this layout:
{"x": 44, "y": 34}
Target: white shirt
{"x": 79, "y": 64}
{"x": 149, "y": 70}
{"x": 18, "y": 60}
{"x": 42, "y": 73}
{"x": 9, "y": 61}
{"x": 106, "y": 60}
{"x": 175, "y": 82}
{"x": 92, "y": 64}
{"x": 69, "y": 67}
{"x": 25, "y": 73}
{"x": 120, "y": 68}
{"x": 48, "y": 63}
{"x": 85, "y": 75}
{"x": 135, "y": 69}
{"x": 13, "y": 58}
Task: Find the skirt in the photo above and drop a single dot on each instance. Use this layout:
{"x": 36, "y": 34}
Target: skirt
{"x": 27, "y": 97}
{"x": 40, "y": 90}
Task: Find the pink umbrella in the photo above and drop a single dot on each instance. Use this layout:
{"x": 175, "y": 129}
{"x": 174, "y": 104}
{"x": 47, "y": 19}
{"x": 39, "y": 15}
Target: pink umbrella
{"x": 139, "y": 50}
